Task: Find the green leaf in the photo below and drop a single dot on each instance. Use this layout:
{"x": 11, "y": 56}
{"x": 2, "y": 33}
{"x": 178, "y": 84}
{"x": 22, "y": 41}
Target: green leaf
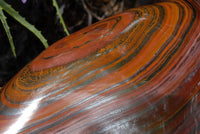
{"x": 7, "y": 29}
{"x": 60, "y": 16}
{"x": 22, "y": 20}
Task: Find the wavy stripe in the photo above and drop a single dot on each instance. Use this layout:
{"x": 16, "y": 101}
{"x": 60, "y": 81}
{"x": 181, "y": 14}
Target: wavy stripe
{"x": 135, "y": 72}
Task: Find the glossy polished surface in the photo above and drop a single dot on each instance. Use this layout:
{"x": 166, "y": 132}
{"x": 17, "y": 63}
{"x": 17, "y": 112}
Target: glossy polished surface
{"x": 135, "y": 72}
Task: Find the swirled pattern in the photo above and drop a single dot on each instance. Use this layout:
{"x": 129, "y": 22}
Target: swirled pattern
{"x": 135, "y": 72}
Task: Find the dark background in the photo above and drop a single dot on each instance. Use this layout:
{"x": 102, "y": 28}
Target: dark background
{"x": 41, "y": 13}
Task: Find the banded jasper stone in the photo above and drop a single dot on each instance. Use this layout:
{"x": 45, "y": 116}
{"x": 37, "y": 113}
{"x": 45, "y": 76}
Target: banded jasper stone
{"x": 135, "y": 72}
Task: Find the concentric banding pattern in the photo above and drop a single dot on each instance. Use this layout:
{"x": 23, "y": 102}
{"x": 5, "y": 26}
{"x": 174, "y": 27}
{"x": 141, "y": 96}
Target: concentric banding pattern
{"x": 135, "y": 72}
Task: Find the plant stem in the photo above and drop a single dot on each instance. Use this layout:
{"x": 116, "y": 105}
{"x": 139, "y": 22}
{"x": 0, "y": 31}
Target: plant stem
{"x": 22, "y": 20}
{"x": 60, "y": 16}
{"x": 7, "y": 29}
